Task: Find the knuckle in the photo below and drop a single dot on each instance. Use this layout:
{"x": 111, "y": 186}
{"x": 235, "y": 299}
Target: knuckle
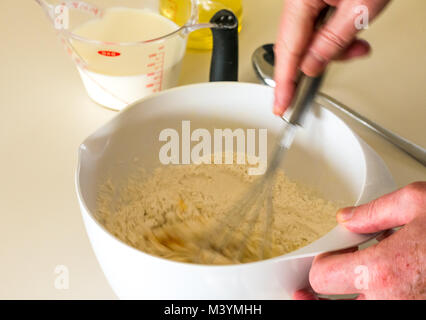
{"x": 333, "y": 40}
{"x": 316, "y": 274}
{"x": 371, "y": 214}
{"x": 282, "y": 47}
{"x": 312, "y": 6}
{"x": 415, "y": 193}
{"x": 374, "y": 258}
{"x": 315, "y": 279}
{"x": 382, "y": 274}
{"x": 333, "y": 3}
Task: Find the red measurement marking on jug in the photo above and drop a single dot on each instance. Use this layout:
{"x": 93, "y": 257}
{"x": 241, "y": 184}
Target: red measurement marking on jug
{"x": 155, "y": 69}
{"x": 82, "y": 6}
{"x": 107, "y": 53}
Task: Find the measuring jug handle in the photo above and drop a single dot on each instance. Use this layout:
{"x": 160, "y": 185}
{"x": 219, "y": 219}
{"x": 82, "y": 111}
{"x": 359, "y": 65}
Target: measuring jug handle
{"x": 224, "y": 62}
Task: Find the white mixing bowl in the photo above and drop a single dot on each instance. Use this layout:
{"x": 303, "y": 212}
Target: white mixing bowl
{"x": 326, "y": 154}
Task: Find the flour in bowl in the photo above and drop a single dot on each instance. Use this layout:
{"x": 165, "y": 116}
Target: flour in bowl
{"x": 170, "y": 212}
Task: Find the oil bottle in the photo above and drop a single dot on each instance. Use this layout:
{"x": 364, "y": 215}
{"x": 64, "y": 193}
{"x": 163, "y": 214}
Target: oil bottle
{"x": 176, "y": 10}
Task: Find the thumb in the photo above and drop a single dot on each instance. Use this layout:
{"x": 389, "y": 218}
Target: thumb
{"x": 392, "y": 210}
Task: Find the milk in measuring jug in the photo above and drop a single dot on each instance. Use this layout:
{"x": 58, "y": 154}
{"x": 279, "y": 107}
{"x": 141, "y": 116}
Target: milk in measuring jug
{"x": 118, "y": 74}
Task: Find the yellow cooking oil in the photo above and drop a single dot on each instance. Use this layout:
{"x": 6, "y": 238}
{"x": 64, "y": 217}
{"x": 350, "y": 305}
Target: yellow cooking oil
{"x": 179, "y": 12}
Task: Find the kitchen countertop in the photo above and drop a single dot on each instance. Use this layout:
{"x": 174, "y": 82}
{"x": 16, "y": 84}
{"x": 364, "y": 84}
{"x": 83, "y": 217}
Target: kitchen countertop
{"x": 46, "y": 114}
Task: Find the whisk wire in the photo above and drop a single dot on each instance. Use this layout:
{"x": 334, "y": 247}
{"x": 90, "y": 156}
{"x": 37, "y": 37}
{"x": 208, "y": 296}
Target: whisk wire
{"x": 230, "y": 237}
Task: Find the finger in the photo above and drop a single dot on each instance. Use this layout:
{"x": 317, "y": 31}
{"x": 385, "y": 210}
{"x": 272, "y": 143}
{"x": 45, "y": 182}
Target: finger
{"x": 392, "y": 210}
{"x": 358, "y": 48}
{"x": 336, "y": 273}
{"x": 304, "y": 294}
{"x": 294, "y": 35}
{"x": 337, "y": 34}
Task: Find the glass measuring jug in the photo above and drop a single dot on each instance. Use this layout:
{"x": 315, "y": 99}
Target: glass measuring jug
{"x": 125, "y": 49}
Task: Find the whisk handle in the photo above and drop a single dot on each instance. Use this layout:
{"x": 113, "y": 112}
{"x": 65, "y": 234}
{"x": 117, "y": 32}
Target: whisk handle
{"x": 306, "y": 91}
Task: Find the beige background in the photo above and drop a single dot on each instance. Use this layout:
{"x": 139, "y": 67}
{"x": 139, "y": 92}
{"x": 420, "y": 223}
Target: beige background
{"x": 45, "y": 114}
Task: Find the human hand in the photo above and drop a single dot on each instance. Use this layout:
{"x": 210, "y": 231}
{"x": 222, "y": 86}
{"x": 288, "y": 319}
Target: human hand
{"x": 298, "y": 46}
{"x": 392, "y": 269}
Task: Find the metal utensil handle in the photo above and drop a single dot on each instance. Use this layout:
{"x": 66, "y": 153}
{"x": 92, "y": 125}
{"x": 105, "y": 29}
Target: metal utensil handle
{"x": 306, "y": 91}
{"x": 403, "y": 144}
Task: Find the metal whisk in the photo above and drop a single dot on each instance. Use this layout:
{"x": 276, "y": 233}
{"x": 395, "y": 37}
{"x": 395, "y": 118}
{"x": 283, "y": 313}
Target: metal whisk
{"x": 229, "y": 240}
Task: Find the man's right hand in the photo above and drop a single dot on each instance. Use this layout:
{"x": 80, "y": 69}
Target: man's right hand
{"x": 298, "y": 46}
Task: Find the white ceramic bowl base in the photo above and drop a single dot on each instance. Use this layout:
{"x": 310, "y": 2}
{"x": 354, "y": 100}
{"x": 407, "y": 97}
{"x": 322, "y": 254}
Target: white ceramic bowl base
{"x": 326, "y": 154}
